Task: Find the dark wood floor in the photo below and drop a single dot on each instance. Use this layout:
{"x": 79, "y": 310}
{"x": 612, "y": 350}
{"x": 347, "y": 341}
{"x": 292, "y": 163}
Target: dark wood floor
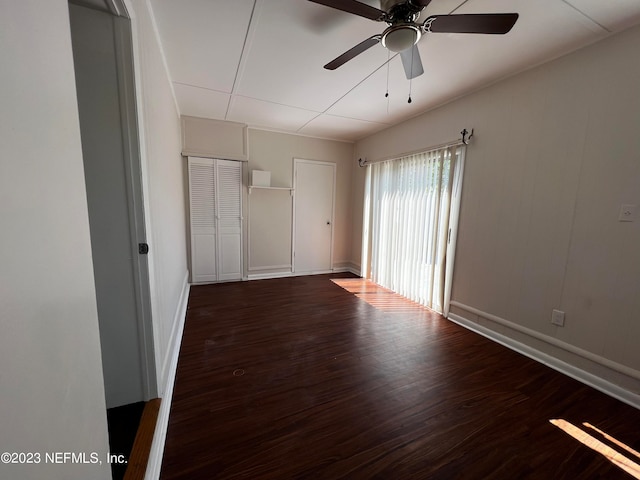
{"x": 301, "y": 378}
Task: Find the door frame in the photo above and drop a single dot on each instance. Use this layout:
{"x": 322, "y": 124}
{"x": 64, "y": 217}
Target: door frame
{"x": 296, "y": 163}
{"x": 132, "y": 159}
{"x": 133, "y": 151}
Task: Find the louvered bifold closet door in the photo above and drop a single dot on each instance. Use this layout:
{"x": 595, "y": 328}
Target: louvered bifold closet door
{"x": 204, "y": 235}
{"x": 229, "y": 220}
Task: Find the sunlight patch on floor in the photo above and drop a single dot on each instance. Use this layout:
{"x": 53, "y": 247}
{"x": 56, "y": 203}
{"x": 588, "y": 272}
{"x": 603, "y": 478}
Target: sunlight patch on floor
{"x": 615, "y": 457}
{"x": 379, "y": 297}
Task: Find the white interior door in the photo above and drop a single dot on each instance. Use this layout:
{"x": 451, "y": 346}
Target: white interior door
{"x": 104, "y": 83}
{"x": 229, "y": 175}
{"x": 314, "y": 184}
{"x": 202, "y": 192}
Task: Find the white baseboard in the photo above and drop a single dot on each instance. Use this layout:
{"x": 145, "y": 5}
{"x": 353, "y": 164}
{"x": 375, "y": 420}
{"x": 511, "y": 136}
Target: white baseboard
{"x": 167, "y": 381}
{"x": 267, "y": 276}
{"x": 561, "y": 366}
{"x": 175, "y": 336}
{"x": 349, "y": 267}
{"x": 269, "y": 267}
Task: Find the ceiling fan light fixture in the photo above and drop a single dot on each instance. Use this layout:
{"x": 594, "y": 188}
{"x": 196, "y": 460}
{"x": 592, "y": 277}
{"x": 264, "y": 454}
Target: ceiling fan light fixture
{"x": 398, "y": 38}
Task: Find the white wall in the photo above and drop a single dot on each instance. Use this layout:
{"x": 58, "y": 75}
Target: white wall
{"x": 270, "y": 211}
{"x": 163, "y": 175}
{"x": 556, "y": 153}
{"x": 51, "y": 391}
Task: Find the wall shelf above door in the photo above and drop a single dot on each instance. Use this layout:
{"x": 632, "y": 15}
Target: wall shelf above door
{"x": 270, "y": 188}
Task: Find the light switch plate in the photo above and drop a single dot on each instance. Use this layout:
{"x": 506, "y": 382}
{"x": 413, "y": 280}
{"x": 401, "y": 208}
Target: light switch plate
{"x": 627, "y": 213}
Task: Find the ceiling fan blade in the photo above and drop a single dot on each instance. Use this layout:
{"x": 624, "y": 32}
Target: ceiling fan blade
{"x": 491, "y": 23}
{"x": 357, "y": 8}
{"x": 353, "y": 52}
{"x": 411, "y": 62}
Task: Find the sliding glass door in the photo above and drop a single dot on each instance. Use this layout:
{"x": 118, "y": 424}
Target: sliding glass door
{"x": 410, "y": 222}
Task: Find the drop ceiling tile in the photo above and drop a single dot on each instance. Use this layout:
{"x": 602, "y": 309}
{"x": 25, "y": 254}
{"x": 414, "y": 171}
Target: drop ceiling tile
{"x": 340, "y": 128}
{"x": 200, "y": 102}
{"x": 368, "y": 102}
{"x": 441, "y": 7}
{"x": 203, "y": 39}
{"x": 623, "y": 14}
{"x": 280, "y": 81}
{"x": 258, "y": 113}
{"x": 457, "y": 64}
{"x": 546, "y": 29}
{"x": 284, "y": 58}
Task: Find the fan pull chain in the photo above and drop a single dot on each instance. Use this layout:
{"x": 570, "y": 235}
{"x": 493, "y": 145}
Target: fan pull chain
{"x": 411, "y": 79}
{"x": 386, "y": 95}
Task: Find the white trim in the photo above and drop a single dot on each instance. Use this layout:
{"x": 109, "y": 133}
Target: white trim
{"x": 144, "y": 170}
{"x": 312, "y": 272}
{"x": 133, "y": 166}
{"x": 347, "y": 267}
{"x": 561, "y": 366}
{"x": 628, "y": 371}
{"x": 203, "y": 154}
{"x": 267, "y": 276}
{"x": 117, "y": 8}
{"x": 166, "y": 383}
{"x": 251, "y": 187}
{"x": 269, "y": 267}
{"x": 175, "y": 336}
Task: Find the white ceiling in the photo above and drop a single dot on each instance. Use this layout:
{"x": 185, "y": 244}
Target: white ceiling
{"x": 260, "y": 62}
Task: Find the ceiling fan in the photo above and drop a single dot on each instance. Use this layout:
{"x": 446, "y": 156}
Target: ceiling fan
{"x": 403, "y": 32}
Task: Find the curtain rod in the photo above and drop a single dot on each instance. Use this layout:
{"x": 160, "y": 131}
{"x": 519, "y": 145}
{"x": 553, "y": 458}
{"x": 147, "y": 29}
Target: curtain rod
{"x": 463, "y": 140}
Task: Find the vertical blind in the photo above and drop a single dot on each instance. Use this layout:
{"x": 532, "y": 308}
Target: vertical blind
{"x": 411, "y": 210}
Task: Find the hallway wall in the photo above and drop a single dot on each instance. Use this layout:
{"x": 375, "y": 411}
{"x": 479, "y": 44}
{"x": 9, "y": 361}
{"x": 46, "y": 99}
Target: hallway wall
{"x": 51, "y": 391}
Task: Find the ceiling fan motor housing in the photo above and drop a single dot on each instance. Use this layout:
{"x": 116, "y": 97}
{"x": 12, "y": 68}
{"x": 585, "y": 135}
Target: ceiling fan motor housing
{"x": 400, "y": 37}
{"x": 403, "y": 33}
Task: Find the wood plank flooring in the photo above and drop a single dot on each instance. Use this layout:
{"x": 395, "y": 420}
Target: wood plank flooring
{"x": 301, "y": 378}
{"x": 137, "y": 466}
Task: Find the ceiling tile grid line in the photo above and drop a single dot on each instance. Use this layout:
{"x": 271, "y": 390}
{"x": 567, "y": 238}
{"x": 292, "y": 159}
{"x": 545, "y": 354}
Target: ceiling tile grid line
{"x": 347, "y": 93}
{"x": 260, "y": 17}
{"x": 267, "y": 101}
{"x": 458, "y": 7}
{"x": 163, "y": 54}
{"x": 585, "y": 15}
{"x": 237, "y": 95}
{"x": 200, "y": 87}
{"x": 260, "y": 61}
{"x": 242, "y": 55}
{"x": 357, "y": 119}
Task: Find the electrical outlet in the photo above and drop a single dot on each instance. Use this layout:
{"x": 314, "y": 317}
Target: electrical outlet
{"x": 557, "y": 318}
{"x": 627, "y": 213}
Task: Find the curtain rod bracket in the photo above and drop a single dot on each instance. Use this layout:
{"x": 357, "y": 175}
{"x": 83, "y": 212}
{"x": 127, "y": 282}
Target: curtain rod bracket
{"x": 362, "y": 162}
{"x": 464, "y": 134}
